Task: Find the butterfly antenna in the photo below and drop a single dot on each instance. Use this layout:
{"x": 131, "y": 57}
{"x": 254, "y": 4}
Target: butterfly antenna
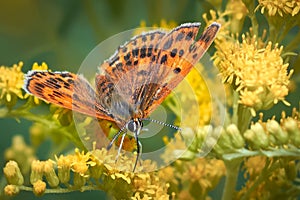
{"x": 163, "y": 123}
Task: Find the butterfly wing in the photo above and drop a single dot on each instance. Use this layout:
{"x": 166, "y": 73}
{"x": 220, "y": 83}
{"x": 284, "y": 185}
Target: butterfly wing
{"x": 123, "y": 72}
{"x": 180, "y": 50}
{"x": 146, "y": 69}
{"x": 65, "y": 89}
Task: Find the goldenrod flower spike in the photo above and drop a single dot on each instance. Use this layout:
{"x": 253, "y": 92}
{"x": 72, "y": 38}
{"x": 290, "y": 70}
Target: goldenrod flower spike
{"x": 257, "y": 73}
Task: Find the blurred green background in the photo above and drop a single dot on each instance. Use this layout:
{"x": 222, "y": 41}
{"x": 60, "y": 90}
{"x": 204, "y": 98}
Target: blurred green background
{"x": 62, "y": 33}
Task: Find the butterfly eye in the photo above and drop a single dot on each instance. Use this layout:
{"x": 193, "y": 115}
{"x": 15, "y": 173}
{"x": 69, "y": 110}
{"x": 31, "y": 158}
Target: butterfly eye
{"x": 134, "y": 125}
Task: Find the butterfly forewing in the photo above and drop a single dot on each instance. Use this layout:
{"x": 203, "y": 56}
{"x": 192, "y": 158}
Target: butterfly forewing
{"x": 179, "y": 53}
{"x": 136, "y": 52}
{"x": 65, "y": 89}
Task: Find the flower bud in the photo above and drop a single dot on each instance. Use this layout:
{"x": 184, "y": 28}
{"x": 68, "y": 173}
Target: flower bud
{"x": 39, "y": 188}
{"x": 37, "y": 171}
{"x": 13, "y": 174}
{"x": 276, "y": 131}
{"x": 50, "y": 174}
{"x": 96, "y": 171}
{"x": 257, "y": 136}
{"x": 11, "y": 190}
{"x": 64, "y": 168}
{"x": 210, "y": 142}
{"x": 79, "y": 180}
{"x": 236, "y": 138}
{"x": 224, "y": 140}
{"x": 293, "y": 130}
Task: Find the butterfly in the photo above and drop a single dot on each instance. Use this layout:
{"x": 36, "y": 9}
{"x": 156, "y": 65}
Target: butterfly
{"x": 132, "y": 82}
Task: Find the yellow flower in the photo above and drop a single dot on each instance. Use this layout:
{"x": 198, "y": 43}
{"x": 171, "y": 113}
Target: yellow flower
{"x": 255, "y": 70}
{"x": 163, "y": 24}
{"x": 39, "y": 187}
{"x": 11, "y": 81}
{"x": 254, "y": 166}
{"x": 36, "y": 66}
{"x": 81, "y": 162}
{"x": 281, "y": 7}
{"x": 11, "y": 190}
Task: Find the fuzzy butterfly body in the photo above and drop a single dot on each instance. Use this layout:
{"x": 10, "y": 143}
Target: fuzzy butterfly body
{"x": 133, "y": 81}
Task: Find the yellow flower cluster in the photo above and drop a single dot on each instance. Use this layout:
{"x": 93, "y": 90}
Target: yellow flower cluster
{"x": 256, "y": 70}
{"x": 93, "y": 170}
{"x": 11, "y": 82}
{"x": 281, "y": 7}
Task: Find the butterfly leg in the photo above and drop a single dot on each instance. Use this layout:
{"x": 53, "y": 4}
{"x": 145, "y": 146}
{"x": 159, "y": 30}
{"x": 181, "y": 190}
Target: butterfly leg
{"x": 120, "y": 146}
{"x": 138, "y": 147}
{"x": 114, "y": 138}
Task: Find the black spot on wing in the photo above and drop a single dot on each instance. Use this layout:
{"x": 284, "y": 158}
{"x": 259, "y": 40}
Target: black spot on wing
{"x": 177, "y": 70}
{"x": 181, "y": 52}
{"x": 173, "y": 52}
{"x": 163, "y": 59}
{"x": 143, "y": 51}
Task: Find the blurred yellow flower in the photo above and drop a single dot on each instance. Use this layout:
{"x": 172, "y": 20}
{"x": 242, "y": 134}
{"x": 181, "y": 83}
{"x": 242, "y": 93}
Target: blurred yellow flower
{"x": 11, "y": 81}
{"x": 238, "y": 11}
{"x": 163, "y": 24}
{"x": 36, "y": 66}
{"x": 281, "y": 7}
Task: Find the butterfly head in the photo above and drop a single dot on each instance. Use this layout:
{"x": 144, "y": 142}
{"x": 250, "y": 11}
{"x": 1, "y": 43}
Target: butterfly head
{"x": 134, "y": 125}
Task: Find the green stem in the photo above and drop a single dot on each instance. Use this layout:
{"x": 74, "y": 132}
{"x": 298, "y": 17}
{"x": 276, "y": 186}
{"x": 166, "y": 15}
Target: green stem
{"x": 244, "y": 118}
{"x": 251, "y": 7}
{"x": 64, "y": 190}
{"x": 232, "y": 171}
{"x": 235, "y": 107}
{"x": 25, "y": 114}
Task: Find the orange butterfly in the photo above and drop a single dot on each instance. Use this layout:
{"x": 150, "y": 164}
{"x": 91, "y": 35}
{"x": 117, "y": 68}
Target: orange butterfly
{"x": 132, "y": 82}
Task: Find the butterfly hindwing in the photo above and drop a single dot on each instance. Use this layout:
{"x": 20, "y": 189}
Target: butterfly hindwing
{"x": 180, "y": 51}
